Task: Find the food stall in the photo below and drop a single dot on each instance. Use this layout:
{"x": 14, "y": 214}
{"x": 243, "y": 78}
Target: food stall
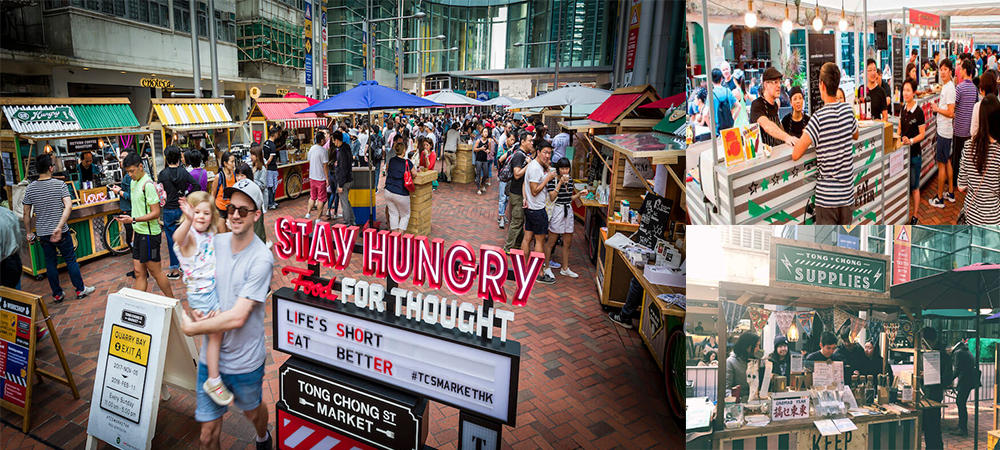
{"x": 293, "y": 164}
{"x": 192, "y": 120}
{"x": 740, "y": 184}
{"x": 819, "y": 403}
{"x": 66, "y": 128}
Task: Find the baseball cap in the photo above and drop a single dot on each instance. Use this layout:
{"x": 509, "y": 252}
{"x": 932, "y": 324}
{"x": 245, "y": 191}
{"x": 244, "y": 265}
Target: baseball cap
{"x": 428, "y": 125}
{"x": 772, "y": 74}
{"x": 249, "y": 188}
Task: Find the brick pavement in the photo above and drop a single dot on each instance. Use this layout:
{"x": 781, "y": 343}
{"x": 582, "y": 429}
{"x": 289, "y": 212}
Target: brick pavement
{"x": 929, "y": 215}
{"x": 584, "y": 382}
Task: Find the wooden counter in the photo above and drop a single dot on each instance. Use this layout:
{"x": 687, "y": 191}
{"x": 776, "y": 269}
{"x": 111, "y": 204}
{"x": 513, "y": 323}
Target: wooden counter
{"x": 420, "y": 203}
{"x": 87, "y": 225}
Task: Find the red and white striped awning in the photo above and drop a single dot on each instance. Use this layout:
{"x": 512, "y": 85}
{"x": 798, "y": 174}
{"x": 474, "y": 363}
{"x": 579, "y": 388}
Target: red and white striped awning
{"x": 306, "y": 123}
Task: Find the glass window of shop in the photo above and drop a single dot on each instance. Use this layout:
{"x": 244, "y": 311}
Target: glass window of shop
{"x": 847, "y": 41}
{"x": 936, "y": 249}
{"x": 153, "y": 12}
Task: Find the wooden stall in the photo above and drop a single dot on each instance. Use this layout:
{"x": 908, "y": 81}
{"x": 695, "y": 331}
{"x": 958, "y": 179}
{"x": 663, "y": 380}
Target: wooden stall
{"x": 66, "y": 127}
{"x": 293, "y": 164}
{"x": 194, "y": 120}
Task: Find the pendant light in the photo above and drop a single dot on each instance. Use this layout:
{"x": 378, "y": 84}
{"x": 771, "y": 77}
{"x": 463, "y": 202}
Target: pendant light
{"x": 751, "y": 17}
{"x": 786, "y": 25}
{"x": 843, "y": 17}
{"x": 817, "y": 22}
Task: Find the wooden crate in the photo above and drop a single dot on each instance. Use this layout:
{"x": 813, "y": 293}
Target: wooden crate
{"x": 464, "y": 171}
{"x": 420, "y": 203}
{"x": 991, "y": 438}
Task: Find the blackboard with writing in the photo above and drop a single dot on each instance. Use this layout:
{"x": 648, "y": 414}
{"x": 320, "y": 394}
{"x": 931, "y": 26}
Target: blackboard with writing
{"x": 897, "y": 66}
{"x": 822, "y": 49}
{"x": 654, "y": 219}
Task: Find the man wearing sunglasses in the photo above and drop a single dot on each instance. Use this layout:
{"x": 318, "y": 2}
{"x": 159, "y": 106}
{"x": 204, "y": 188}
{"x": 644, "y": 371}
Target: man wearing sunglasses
{"x": 243, "y": 267}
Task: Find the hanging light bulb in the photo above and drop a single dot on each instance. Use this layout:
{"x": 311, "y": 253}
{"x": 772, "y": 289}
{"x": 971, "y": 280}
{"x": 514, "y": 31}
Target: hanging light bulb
{"x": 786, "y": 25}
{"x": 913, "y": 31}
{"x": 817, "y": 22}
{"x": 793, "y": 333}
{"x": 922, "y": 32}
{"x": 751, "y": 17}
{"x": 843, "y": 17}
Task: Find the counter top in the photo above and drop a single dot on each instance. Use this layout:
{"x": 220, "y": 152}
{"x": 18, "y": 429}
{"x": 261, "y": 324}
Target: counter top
{"x": 786, "y": 426}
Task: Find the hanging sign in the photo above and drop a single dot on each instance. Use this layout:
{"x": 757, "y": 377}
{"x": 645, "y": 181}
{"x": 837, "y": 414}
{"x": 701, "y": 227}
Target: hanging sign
{"x": 901, "y": 253}
{"x": 924, "y": 19}
{"x": 800, "y": 263}
{"x": 81, "y": 145}
{"x": 308, "y": 42}
{"x": 281, "y": 91}
{"x": 62, "y": 114}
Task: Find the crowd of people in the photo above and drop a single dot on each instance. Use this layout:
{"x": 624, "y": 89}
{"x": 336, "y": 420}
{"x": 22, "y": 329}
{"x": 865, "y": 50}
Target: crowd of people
{"x": 967, "y": 154}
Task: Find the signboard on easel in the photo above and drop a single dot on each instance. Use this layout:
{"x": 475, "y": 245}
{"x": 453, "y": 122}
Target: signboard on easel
{"x": 142, "y": 347}
{"x": 19, "y": 316}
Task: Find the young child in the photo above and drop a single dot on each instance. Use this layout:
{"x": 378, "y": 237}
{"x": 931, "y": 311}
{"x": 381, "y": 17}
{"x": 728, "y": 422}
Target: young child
{"x": 196, "y": 254}
{"x": 243, "y": 171}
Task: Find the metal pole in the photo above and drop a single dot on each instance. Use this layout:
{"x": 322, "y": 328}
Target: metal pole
{"x": 706, "y": 41}
{"x": 420, "y": 72}
{"x": 196, "y": 59}
{"x": 642, "y": 56}
{"x": 399, "y": 49}
{"x": 975, "y": 428}
{"x": 213, "y": 55}
{"x": 555, "y": 80}
{"x": 370, "y": 52}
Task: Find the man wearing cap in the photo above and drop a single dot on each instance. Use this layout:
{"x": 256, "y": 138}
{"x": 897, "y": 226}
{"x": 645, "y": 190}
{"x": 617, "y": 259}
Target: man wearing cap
{"x": 795, "y": 121}
{"x": 243, "y": 267}
{"x": 764, "y": 111}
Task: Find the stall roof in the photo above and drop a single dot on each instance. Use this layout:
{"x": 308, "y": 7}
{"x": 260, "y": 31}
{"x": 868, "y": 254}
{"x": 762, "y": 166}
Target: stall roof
{"x": 622, "y": 102}
{"x": 75, "y": 134}
{"x": 645, "y": 145}
{"x": 583, "y": 124}
{"x": 287, "y": 110}
{"x": 52, "y": 115}
{"x": 204, "y": 111}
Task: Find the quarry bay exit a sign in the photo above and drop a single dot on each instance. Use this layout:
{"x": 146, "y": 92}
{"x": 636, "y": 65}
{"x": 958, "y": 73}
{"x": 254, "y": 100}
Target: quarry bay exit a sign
{"x": 808, "y": 264}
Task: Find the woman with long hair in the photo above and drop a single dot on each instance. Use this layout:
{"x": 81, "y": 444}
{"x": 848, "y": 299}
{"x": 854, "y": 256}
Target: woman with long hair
{"x": 736, "y": 364}
{"x": 225, "y": 178}
{"x": 980, "y": 167}
{"x": 397, "y": 198}
{"x": 481, "y": 151}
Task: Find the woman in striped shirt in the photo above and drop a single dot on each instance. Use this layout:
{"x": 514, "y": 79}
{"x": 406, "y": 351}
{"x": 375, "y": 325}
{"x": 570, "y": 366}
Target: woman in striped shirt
{"x": 980, "y": 167}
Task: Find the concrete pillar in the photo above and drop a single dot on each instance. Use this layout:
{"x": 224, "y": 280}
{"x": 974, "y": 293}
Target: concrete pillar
{"x": 642, "y": 56}
{"x": 658, "y": 49}
{"x": 60, "y": 83}
{"x": 619, "y": 61}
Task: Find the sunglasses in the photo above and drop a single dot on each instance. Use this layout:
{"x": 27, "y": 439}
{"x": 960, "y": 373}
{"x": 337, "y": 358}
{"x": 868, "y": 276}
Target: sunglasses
{"x": 242, "y": 209}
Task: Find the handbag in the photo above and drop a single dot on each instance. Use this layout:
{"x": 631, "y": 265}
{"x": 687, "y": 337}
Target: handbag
{"x": 408, "y": 180}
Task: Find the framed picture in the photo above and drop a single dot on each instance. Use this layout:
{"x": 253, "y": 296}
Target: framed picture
{"x": 72, "y": 192}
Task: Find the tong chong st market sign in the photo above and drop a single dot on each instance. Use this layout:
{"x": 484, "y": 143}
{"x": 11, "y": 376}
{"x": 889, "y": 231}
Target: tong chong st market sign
{"x": 810, "y": 266}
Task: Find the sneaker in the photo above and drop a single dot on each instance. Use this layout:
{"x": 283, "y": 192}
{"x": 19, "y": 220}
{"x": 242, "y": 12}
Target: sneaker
{"x": 58, "y": 298}
{"x": 546, "y": 279}
{"x": 501, "y": 223}
{"x": 623, "y": 322}
{"x": 267, "y": 444}
{"x": 338, "y": 216}
{"x": 307, "y": 216}
{"x": 41, "y": 333}
{"x": 87, "y": 290}
{"x": 950, "y": 196}
{"x": 959, "y": 432}
{"x": 218, "y": 393}
{"x": 173, "y": 275}
{"x": 568, "y": 273}
{"x": 130, "y": 274}
{"x": 936, "y": 202}
{"x": 913, "y": 220}
{"x": 274, "y": 206}
{"x": 554, "y": 265}
{"x": 479, "y": 192}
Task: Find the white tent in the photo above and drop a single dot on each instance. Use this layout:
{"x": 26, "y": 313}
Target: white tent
{"x": 502, "y": 101}
{"x": 569, "y": 96}
{"x": 450, "y": 98}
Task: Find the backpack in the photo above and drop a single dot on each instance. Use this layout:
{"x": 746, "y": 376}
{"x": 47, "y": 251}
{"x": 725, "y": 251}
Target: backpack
{"x": 724, "y": 114}
{"x": 506, "y": 174}
{"x": 159, "y": 192}
{"x": 377, "y": 146}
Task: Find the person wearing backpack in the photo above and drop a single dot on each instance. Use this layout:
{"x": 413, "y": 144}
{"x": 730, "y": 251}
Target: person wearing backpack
{"x": 177, "y": 182}
{"x": 725, "y": 102}
{"x": 376, "y": 145}
{"x": 503, "y": 206}
{"x": 145, "y": 212}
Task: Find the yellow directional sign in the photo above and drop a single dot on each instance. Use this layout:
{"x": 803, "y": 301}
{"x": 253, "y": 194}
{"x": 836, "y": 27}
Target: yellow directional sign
{"x": 129, "y": 345}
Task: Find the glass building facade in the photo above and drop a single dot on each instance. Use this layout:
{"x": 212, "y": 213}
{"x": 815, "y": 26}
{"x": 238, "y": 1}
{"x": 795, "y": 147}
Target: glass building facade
{"x": 484, "y": 31}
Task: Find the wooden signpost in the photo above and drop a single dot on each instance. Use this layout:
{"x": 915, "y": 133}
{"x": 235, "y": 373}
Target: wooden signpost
{"x": 19, "y": 314}
{"x": 142, "y": 348}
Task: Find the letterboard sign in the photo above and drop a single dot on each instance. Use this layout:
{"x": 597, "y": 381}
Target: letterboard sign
{"x": 822, "y": 49}
{"x": 448, "y": 366}
{"x": 390, "y": 421}
{"x": 808, "y": 266}
{"x": 80, "y": 145}
{"x": 654, "y": 219}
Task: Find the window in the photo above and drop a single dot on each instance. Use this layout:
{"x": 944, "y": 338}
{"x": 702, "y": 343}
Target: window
{"x": 153, "y": 12}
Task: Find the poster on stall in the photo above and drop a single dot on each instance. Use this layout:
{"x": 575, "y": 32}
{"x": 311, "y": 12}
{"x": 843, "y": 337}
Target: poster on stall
{"x": 827, "y": 373}
{"x": 732, "y": 142}
{"x": 790, "y": 408}
{"x": 932, "y": 368}
{"x": 796, "y": 366}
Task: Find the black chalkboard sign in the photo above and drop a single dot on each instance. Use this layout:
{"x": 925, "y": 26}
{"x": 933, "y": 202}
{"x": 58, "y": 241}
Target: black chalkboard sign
{"x": 822, "y": 49}
{"x": 654, "y": 220}
{"x": 897, "y": 66}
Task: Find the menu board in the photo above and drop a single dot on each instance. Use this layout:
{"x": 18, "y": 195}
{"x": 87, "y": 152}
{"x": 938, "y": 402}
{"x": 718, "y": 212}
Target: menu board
{"x": 654, "y": 218}
{"x": 897, "y": 66}
{"x": 822, "y": 49}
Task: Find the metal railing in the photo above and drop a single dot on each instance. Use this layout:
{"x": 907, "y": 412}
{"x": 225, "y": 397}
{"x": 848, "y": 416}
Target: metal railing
{"x": 705, "y": 381}
{"x": 986, "y": 392}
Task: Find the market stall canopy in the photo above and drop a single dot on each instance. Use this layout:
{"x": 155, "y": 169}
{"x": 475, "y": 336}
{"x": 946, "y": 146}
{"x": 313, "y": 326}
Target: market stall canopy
{"x": 56, "y": 118}
{"x": 190, "y": 114}
{"x": 667, "y": 102}
{"x": 311, "y": 101}
{"x": 286, "y": 110}
{"x": 623, "y": 102}
{"x": 502, "y": 101}
{"x": 676, "y": 116}
{"x": 579, "y": 111}
{"x": 450, "y": 98}
{"x": 571, "y": 95}
{"x": 368, "y": 95}
{"x": 971, "y": 287}
{"x": 953, "y": 313}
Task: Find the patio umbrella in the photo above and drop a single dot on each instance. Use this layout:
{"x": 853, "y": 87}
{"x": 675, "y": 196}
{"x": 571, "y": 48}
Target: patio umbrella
{"x": 450, "y": 98}
{"x": 572, "y": 94}
{"x": 970, "y": 287}
{"x": 368, "y": 96}
{"x": 309, "y": 100}
{"x": 502, "y": 101}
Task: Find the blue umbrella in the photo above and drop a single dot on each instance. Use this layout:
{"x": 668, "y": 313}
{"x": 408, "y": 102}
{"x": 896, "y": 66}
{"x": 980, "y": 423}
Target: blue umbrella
{"x": 368, "y": 95}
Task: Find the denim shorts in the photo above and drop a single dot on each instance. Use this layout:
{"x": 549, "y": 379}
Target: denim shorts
{"x": 915, "y": 163}
{"x": 205, "y": 302}
{"x": 942, "y": 154}
{"x": 272, "y": 178}
{"x": 247, "y": 389}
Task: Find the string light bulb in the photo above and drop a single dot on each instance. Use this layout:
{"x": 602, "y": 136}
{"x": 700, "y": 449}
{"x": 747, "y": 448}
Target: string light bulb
{"x": 843, "y": 17}
{"x": 793, "y": 333}
{"x": 786, "y": 25}
{"x": 922, "y": 31}
{"x": 751, "y": 17}
{"x": 817, "y": 22}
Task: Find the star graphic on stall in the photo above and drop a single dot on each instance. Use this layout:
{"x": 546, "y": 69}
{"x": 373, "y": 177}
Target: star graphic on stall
{"x": 753, "y": 187}
{"x": 795, "y": 171}
{"x": 775, "y": 179}
{"x": 763, "y": 184}
{"x": 784, "y": 177}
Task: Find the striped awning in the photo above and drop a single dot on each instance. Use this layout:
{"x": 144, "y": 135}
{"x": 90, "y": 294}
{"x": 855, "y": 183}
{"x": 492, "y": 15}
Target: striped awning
{"x": 56, "y": 117}
{"x": 206, "y": 126}
{"x": 74, "y": 134}
{"x": 172, "y": 114}
{"x": 306, "y": 123}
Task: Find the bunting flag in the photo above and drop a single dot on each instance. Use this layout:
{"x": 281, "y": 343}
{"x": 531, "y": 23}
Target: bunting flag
{"x": 906, "y": 332}
{"x": 784, "y": 319}
{"x": 839, "y": 317}
{"x": 826, "y": 315}
{"x": 857, "y": 324}
{"x": 874, "y": 328}
{"x": 758, "y": 319}
{"x": 805, "y": 319}
{"x": 734, "y": 313}
{"x": 891, "y": 328}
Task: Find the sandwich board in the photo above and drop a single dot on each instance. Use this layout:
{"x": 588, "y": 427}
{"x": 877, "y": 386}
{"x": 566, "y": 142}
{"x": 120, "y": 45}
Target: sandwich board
{"x": 19, "y": 317}
{"x": 142, "y": 348}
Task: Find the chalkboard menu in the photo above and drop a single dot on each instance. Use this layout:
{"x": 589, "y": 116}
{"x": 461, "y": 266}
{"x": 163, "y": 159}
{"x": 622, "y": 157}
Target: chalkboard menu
{"x": 822, "y": 49}
{"x": 897, "y": 66}
{"x": 654, "y": 219}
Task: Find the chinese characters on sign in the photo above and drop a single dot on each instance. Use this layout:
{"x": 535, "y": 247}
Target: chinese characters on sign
{"x": 790, "y": 408}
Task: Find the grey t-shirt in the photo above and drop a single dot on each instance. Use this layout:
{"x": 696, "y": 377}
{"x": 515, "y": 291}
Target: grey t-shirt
{"x": 246, "y": 274}
{"x": 46, "y": 200}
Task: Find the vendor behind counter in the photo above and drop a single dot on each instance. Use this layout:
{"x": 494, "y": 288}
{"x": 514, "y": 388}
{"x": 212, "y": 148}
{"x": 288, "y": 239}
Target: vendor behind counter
{"x": 764, "y": 111}
{"x": 88, "y": 171}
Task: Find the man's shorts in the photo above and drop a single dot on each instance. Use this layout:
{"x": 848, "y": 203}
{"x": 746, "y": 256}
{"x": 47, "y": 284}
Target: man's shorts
{"x": 317, "y": 190}
{"x": 561, "y": 221}
{"x": 247, "y": 389}
{"x": 272, "y": 179}
{"x": 943, "y": 152}
{"x": 146, "y": 247}
{"x": 915, "y": 163}
{"x": 536, "y": 221}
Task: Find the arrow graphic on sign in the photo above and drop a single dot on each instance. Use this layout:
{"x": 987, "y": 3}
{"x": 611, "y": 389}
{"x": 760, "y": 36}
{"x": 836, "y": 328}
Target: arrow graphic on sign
{"x": 389, "y": 434}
